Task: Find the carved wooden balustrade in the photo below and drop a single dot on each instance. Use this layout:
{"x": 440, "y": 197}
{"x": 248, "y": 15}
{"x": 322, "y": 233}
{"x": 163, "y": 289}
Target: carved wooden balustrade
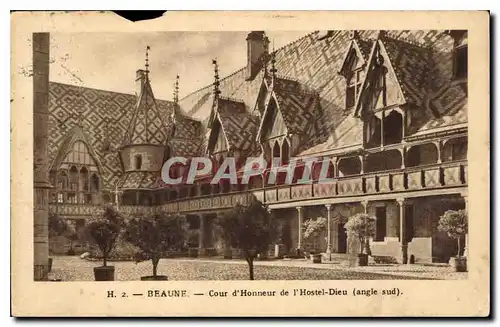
{"x": 429, "y": 177}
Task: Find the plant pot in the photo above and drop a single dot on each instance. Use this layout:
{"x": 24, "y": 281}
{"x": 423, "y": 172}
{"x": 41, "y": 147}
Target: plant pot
{"x": 459, "y": 264}
{"x": 316, "y": 258}
{"x": 362, "y": 259}
{"x": 158, "y": 277}
{"x": 50, "y": 264}
{"x": 104, "y": 273}
{"x": 228, "y": 254}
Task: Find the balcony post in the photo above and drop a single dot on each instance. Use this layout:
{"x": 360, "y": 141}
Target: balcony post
{"x": 329, "y": 231}
{"x": 382, "y": 138}
{"x": 362, "y": 161}
{"x": 403, "y": 157}
{"x": 439, "y": 147}
{"x": 402, "y": 225}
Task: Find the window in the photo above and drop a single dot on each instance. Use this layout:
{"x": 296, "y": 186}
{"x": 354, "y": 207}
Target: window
{"x": 138, "y": 162}
{"x": 460, "y": 62}
{"x": 77, "y": 178}
{"x": 380, "y": 214}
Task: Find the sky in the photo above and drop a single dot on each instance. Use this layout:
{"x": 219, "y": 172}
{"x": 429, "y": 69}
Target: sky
{"x": 109, "y": 61}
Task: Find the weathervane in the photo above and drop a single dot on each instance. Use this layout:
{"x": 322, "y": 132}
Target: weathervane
{"x": 176, "y": 90}
{"x": 147, "y": 59}
{"x": 216, "y": 77}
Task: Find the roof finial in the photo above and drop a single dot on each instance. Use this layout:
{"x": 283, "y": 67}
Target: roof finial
{"x": 216, "y": 78}
{"x": 354, "y": 35}
{"x": 176, "y": 90}
{"x": 147, "y": 59}
{"x": 273, "y": 63}
{"x": 382, "y": 34}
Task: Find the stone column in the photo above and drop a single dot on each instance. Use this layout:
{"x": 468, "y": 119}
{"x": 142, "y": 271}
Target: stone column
{"x": 300, "y": 212}
{"x": 367, "y": 240}
{"x": 202, "y": 235}
{"x": 329, "y": 231}
{"x": 466, "y": 245}
{"x": 402, "y": 236}
{"x": 41, "y": 46}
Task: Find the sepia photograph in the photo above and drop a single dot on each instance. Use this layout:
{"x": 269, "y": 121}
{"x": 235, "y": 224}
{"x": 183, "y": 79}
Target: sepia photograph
{"x": 382, "y": 113}
{"x": 311, "y": 158}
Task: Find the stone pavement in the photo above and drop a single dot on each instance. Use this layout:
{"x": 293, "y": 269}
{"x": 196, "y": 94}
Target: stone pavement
{"x": 68, "y": 268}
{"x": 343, "y": 262}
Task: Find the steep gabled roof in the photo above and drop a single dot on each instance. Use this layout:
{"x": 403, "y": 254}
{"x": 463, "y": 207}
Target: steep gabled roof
{"x": 236, "y": 124}
{"x": 104, "y": 117}
{"x": 147, "y": 125}
{"x": 76, "y": 134}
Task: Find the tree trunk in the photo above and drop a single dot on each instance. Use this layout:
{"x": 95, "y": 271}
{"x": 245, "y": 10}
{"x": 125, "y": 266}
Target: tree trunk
{"x": 250, "y": 268}
{"x": 155, "y": 260}
{"x": 105, "y": 259}
{"x": 458, "y": 251}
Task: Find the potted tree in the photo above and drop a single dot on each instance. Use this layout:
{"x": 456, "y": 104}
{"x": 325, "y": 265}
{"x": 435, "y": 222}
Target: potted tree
{"x": 103, "y": 230}
{"x": 361, "y": 226}
{"x": 250, "y": 229}
{"x": 313, "y": 229}
{"x": 155, "y": 236}
{"x": 455, "y": 224}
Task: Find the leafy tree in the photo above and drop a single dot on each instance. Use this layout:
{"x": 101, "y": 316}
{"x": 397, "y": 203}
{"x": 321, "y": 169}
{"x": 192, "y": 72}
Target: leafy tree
{"x": 155, "y": 236}
{"x": 313, "y": 229}
{"x": 62, "y": 227}
{"x": 250, "y": 229}
{"x": 103, "y": 230}
{"x": 455, "y": 224}
{"x": 362, "y": 226}
{"x": 57, "y": 225}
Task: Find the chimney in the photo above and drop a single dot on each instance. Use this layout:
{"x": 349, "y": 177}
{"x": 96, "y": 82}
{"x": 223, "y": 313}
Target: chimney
{"x": 257, "y": 46}
{"x": 140, "y": 80}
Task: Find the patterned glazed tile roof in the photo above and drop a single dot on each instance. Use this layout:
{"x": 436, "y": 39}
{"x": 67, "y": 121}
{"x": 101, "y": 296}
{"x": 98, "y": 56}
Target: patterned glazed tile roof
{"x": 411, "y": 66}
{"x": 146, "y": 125}
{"x": 133, "y": 180}
{"x": 298, "y": 107}
{"x": 310, "y": 94}
{"x": 104, "y": 117}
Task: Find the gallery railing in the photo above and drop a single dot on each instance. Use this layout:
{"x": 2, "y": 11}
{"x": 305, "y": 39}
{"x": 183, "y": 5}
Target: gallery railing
{"x": 429, "y": 177}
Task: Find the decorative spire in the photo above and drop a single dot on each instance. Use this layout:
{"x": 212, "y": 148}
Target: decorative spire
{"x": 147, "y": 60}
{"x": 176, "y": 91}
{"x": 216, "y": 78}
{"x": 273, "y": 63}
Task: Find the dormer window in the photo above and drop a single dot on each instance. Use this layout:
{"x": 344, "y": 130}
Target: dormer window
{"x": 460, "y": 62}
{"x": 459, "y": 53}
{"x": 353, "y": 74}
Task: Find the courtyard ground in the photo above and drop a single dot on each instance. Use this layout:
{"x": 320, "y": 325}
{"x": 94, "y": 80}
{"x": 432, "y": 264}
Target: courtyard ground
{"x": 69, "y": 268}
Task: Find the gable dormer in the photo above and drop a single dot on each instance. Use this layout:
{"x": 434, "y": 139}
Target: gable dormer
{"x": 352, "y": 69}
{"x": 217, "y": 141}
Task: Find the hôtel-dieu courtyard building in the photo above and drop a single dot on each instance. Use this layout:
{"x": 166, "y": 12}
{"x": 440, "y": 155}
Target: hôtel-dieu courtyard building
{"x": 385, "y": 110}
